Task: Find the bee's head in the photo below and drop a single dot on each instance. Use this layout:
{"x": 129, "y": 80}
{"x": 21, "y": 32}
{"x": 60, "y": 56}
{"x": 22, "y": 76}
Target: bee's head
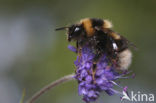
{"x": 73, "y": 31}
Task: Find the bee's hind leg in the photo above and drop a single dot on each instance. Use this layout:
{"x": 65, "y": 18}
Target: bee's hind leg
{"x": 95, "y": 60}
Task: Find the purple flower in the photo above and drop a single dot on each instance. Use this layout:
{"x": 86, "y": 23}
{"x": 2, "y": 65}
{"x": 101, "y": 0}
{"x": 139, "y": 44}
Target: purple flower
{"x": 92, "y": 82}
{"x": 70, "y": 47}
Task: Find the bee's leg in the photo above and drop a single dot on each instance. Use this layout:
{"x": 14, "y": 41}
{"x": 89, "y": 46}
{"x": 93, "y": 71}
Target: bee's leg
{"x": 95, "y": 60}
{"x": 79, "y": 49}
{"x": 77, "y": 46}
{"x": 94, "y": 71}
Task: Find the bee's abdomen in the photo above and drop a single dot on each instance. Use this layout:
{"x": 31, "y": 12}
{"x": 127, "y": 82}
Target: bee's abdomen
{"x": 124, "y": 59}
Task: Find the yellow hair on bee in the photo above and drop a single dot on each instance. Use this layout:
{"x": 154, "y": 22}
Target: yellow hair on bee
{"x": 115, "y": 35}
{"x": 87, "y": 24}
{"x": 107, "y": 24}
{"x": 125, "y": 58}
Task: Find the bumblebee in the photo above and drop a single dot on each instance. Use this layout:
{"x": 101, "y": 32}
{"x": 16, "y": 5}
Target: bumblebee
{"x": 99, "y": 34}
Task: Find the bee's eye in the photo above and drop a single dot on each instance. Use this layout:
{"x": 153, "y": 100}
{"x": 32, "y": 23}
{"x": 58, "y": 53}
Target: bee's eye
{"x": 76, "y": 29}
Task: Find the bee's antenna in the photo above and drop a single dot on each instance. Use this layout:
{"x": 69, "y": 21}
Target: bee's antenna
{"x": 62, "y": 28}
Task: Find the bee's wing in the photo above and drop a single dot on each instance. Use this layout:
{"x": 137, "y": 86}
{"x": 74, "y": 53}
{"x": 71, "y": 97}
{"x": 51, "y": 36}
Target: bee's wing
{"x": 129, "y": 43}
{"x": 120, "y": 40}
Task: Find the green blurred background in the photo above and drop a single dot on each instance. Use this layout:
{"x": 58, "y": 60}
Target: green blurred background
{"x": 32, "y": 54}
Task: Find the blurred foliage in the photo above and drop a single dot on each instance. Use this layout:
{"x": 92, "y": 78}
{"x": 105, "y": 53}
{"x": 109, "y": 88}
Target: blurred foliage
{"x": 39, "y": 65}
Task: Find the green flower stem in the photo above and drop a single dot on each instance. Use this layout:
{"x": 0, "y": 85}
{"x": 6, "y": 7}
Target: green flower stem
{"x": 50, "y": 86}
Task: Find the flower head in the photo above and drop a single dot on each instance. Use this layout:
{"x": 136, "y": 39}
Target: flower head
{"x": 93, "y": 81}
